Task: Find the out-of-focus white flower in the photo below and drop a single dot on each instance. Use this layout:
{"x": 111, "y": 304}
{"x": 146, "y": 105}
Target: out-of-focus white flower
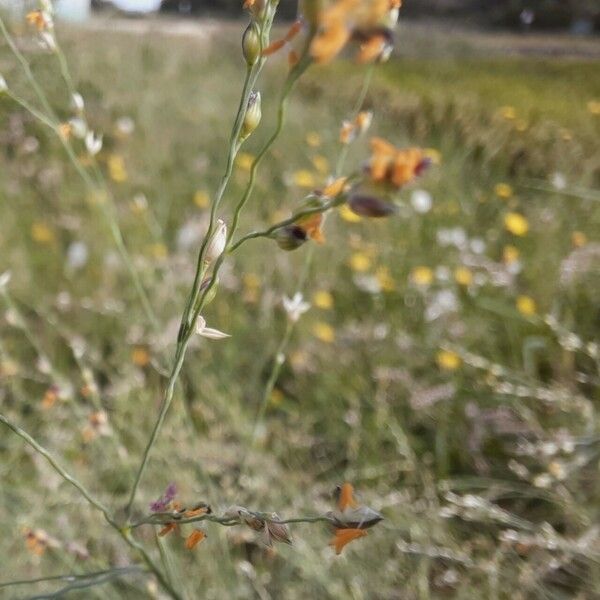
{"x": 77, "y": 255}
{"x": 295, "y": 307}
{"x": 477, "y": 246}
{"x": 455, "y": 236}
{"x": 367, "y": 283}
{"x": 559, "y": 181}
{"x": 421, "y": 201}
{"x": 208, "y": 332}
{"x": 3, "y": 84}
{"x": 125, "y": 125}
{"x": 47, "y": 38}
{"x": 217, "y": 242}
{"x": 78, "y": 127}
{"x": 77, "y": 103}
{"x": 189, "y": 234}
{"x": 443, "y": 302}
{"x": 5, "y": 279}
{"x": 93, "y": 143}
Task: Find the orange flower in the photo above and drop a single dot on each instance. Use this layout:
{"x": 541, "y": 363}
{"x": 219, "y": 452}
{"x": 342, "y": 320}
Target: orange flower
{"x": 311, "y": 225}
{"x": 345, "y": 19}
{"x": 194, "y": 538}
{"x": 397, "y": 167}
{"x": 39, "y": 19}
{"x": 343, "y": 537}
{"x": 167, "y": 529}
{"x": 335, "y": 188}
{"x": 346, "y": 497}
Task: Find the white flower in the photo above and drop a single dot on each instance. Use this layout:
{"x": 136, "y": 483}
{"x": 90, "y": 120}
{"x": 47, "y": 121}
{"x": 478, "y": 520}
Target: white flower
{"x": 295, "y": 307}
{"x": 216, "y": 246}
{"x": 5, "y": 279}
{"x": 3, "y": 84}
{"x": 93, "y": 143}
{"x": 77, "y": 102}
{"x": 559, "y": 181}
{"x": 78, "y": 127}
{"x": 125, "y": 125}
{"x": 48, "y": 40}
{"x": 208, "y": 332}
{"x": 77, "y": 255}
{"x": 421, "y": 201}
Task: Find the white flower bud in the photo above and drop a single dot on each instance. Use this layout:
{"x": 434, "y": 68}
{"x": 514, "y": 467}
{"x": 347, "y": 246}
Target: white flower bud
{"x": 217, "y": 242}
{"x": 77, "y": 103}
{"x": 93, "y": 143}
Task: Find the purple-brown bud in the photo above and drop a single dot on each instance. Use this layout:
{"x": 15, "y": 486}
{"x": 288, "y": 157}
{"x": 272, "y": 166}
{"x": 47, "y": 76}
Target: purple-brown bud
{"x": 290, "y": 237}
{"x": 370, "y": 206}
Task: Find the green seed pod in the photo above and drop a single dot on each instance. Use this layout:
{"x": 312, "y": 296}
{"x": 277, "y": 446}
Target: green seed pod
{"x": 252, "y": 116}
{"x": 251, "y": 46}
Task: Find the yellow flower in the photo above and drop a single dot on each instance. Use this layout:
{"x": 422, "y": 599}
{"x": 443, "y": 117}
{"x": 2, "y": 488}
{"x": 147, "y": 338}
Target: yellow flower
{"x": 321, "y": 164}
{"x": 359, "y": 262}
{"x": 323, "y": 299}
{"x": 526, "y": 306}
{"x": 348, "y": 215}
{"x": 593, "y": 107}
{"x": 508, "y": 112}
{"x": 159, "y": 251}
{"x": 422, "y": 276}
{"x": 385, "y": 280}
{"x": 510, "y": 254}
{"x": 116, "y": 168}
{"x": 39, "y": 19}
{"x": 244, "y": 161}
{"x": 304, "y": 179}
{"x": 503, "y": 190}
{"x": 140, "y": 357}
{"x": 448, "y": 360}
{"x": 201, "y": 198}
{"x": 463, "y": 276}
{"x": 41, "y": 233}
{"x": 276, "y": 397}
{"x": 434, "y": 155}
{"x": 324, "y": 332}
{"x": 313, "y": 139}
{"x": 521, "y": 125}
{"x": 516, "y": 223}
{"x": 578, "y": 239}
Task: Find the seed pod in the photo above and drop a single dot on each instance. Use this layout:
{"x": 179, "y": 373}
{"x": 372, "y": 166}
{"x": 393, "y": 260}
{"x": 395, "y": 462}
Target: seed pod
{"x": 290, "y": 237}
{"x": 370, "y": 206}
{"x": 252, "y": 116}
{"x": 251, "y": 46}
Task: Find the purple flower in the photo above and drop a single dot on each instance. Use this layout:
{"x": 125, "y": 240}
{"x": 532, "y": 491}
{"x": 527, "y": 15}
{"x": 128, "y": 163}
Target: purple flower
{"x": 163, "y": 502}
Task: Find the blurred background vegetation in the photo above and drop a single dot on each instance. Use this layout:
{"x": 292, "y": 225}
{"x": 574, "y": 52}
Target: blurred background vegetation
{"x": 449, "y": 366}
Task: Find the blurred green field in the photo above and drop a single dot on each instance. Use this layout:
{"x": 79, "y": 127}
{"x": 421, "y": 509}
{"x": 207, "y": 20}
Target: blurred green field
{"x": 449, "y": 365}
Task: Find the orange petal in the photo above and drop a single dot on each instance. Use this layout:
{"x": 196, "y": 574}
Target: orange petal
{"x": 167, "y": 529}
{"x": 335, "y": 188}
{"x": 201, "y": 510}
{"x": 273, "y": 47}
{"x": 371, "y": 49}
{"x": 293, "y": 30}
{"x": 194, "y": 538}
{"x": 311, "y": 224}
{"x": 346, "y": 498}
{"x": 329, "y": 43}
{"x": 345, "y": 536}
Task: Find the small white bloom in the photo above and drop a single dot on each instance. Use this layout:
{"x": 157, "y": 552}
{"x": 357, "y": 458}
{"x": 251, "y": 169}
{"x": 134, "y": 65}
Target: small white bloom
{"x": 559, "y": 181}
{"x": 3, "y": 84}
{"x": 77, "y": 103}
{"x": 5, "y": 279}
{"x": 295, "y": 307}
{"x": 93, "y": 143}
{"x": 217, "y": 242}
{"x": 77, "y": 255}
{"x": 208, "y": 332}
{"x": 477, "y": 246}
{"x": 125, "y": 125}
{"x": 48, "y": 40}
{"x": 78, "y": 127}
{"x": 421, "y": 201}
